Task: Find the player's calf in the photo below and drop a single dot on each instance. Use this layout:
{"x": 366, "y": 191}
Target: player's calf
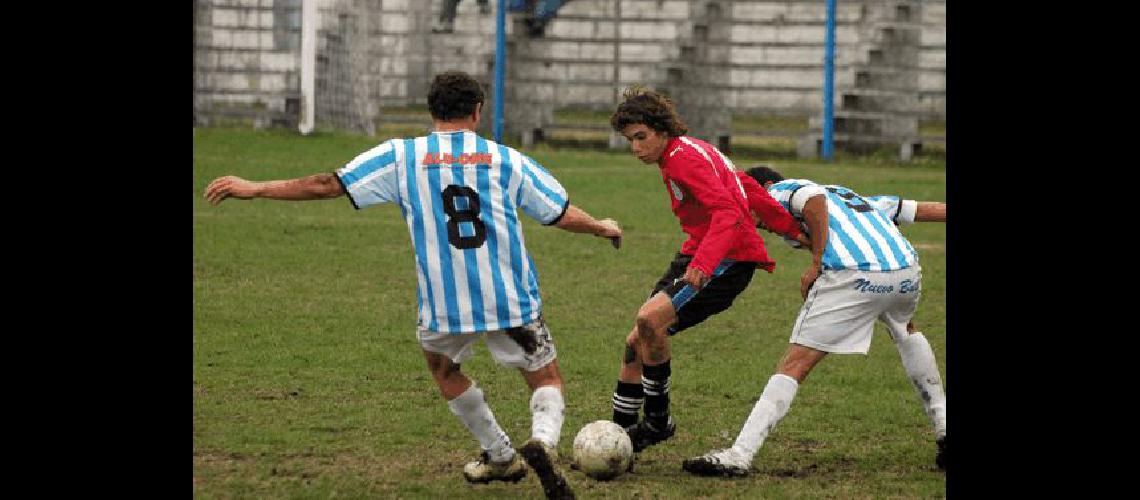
{"x": 541, "y": 457}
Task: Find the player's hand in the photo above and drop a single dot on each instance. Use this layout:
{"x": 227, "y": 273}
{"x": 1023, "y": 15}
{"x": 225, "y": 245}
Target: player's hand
{"x": 804, "y": 240}
{"x": 695, "y": 277}
{"x": 807, "y": 279}
{"x": 612, "y": 231}
{"x": 230, "y": 187}
{"x": 632, "y": 338}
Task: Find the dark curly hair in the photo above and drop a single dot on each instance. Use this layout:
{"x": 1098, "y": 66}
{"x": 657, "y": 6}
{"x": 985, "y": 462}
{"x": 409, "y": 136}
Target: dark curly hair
{"x": 453, "y": 94}
{"x": 649, "y": 107}
{"x": 763, "y": 173}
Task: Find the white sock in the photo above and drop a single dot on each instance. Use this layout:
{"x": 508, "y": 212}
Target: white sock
{"x": 922, "y": 369}
{"x": 772, "y": 406}
{"x": 546, "y": 406}
{"x": 472, "y": 409}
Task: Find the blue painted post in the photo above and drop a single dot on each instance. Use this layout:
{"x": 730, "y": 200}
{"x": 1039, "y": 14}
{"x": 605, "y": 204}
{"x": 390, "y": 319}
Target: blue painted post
{"x": 500, "y": 62}
{"x": 829, "y": 81}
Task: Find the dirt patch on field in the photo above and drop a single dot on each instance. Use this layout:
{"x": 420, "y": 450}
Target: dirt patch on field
{"x": 795, "y": 472}
{"x": 823, "y": 468}
{"x": 806, "y": 445}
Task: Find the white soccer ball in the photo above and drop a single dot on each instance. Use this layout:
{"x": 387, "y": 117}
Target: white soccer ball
{"x": 603, "y": 450}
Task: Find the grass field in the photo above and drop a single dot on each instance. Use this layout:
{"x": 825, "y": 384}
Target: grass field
{"x": 309, "y": 382}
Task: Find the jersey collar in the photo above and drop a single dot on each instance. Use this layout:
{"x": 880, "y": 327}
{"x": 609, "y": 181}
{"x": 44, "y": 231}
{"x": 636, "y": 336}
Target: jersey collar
{"x": 669, "y": 147}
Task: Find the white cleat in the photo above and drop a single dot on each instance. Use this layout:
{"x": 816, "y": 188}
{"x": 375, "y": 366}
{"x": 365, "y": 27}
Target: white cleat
{"x": 484, "y": 470}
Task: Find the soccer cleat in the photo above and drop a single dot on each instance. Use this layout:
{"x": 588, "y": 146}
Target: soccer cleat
{"x": 940, "y": 458}
{"x": 484, "y": 470}
{"x": 644, "y": 434}
{"x": 542, "y": 459}
{"x": 727, "y": 462}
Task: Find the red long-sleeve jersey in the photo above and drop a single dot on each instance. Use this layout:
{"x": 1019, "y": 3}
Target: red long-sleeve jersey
{"x": 771, "y": 213}
{"x": 710, "y": 202}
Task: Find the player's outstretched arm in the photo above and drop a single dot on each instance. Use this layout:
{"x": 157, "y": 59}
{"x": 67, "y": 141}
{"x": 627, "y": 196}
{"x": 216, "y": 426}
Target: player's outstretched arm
{"x": 314, "y": 187}
{"x": 577, "y": 220}
{"x": 930, "y": 211}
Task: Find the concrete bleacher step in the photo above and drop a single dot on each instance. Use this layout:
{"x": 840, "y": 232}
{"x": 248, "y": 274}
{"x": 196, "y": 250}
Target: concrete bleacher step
{"x": 877, "y": 100}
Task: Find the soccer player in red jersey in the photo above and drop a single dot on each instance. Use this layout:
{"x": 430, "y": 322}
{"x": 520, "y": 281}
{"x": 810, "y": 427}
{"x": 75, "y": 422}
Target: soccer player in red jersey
{"x": 714, "y": 265}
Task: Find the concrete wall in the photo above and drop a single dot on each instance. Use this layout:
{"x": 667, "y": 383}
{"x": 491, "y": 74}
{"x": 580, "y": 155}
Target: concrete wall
{"x": 771, "y": 52}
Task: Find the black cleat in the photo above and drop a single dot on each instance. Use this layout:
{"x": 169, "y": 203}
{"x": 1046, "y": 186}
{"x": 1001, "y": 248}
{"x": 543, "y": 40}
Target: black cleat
{"x": 644, "y": 434}
{"x": 726, "y": 463}
{"x": 541, "y": 459}
{"x": 940, "y": 458}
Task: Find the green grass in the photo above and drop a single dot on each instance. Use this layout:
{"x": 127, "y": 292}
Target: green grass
{"x": 932, "y": 127}
{"x": 309, "y": 383}
{"x": 770, "y": 123}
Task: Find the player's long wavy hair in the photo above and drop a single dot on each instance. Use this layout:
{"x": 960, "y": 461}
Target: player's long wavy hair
{"x": 652, "y": 108}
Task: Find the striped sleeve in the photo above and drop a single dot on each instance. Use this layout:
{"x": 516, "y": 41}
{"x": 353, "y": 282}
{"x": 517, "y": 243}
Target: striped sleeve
{"x": 540, "y": 194}
{"x": 794, "y": 193}
{"x": 898, "y": 210}
{"x": 370, "y": 178}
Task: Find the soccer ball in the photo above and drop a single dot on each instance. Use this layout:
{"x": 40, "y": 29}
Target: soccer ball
{"x": 602, "y": 450}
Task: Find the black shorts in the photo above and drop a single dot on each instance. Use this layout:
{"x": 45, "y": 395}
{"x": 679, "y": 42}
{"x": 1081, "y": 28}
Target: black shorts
{"x": 692, "y": 306}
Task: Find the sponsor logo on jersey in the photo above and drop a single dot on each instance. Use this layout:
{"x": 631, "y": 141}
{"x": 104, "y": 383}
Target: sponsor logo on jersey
{"x": 462, "y": 159}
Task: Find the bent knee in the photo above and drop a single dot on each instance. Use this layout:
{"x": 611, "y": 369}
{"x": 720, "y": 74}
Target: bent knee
{"x": 442, "y": 368}
{"x": 545, "y": 376}
{"x": 649, "y": 323}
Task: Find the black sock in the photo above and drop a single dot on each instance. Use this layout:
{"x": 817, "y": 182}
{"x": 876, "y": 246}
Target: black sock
{"x": 628, "y": 397}
{"x": 655, "y": 382}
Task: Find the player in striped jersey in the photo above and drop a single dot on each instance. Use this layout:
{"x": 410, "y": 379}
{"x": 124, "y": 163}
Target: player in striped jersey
{"x": 862, "y": 269}
{"x": 714, "y": 265}
{"x": 460, "y": 195}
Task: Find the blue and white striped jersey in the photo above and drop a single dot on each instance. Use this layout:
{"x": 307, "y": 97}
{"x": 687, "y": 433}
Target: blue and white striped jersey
{"x": 459, "y": 194}
{"x": 860, "y": 235}
{"x": 894, "y": 208}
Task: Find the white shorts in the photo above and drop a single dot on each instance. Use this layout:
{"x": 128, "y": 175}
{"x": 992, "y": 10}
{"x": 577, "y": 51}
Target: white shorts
{"x": 841, "y": 307}
{"x": 529, "y": 347}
